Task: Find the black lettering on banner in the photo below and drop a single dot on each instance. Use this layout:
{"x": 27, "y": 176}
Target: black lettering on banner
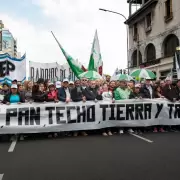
{"x": 112, "y": 117}
{"x": 37, "y": 74}
{"x": 23, "y": 112}
{"x": 81, "y": 114}
{"x": 56, "y": 73}
{"x": 147, "y": 111}
{"x": 6, "y": 67}
{"x": 91, "y": 113}
{"x": 32, "y": 73}
{"x": 52, "y": 74}
{"x": 34, "y": 116}
{"x": 10, "y": 113}
{"x": 139, "y": 111}
{"x": 69, "y": 120}
{"x": 46, "y": 74}
{"x": 10, "y": 67}
{"x": 42, "y": 73}
{"x": 159, "y": 108}
{"x": 170, "y": 110}
{"x": 60, "y": 115}
{"x": 129, "y": 111}
{"x": 50, "y": 109}
{"x": 104, "y": 107}
{"x": 177, "y": 111}
{"x": 119, "y": 112}
{"x": 61, "y": 75}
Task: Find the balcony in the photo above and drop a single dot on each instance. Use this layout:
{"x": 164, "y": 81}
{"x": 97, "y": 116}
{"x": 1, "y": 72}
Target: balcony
{"x": 150, "y": 63}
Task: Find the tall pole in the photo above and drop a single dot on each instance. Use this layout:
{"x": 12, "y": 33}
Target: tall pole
{"x": 114, "y": 12}
{"x": 138, "y": 63}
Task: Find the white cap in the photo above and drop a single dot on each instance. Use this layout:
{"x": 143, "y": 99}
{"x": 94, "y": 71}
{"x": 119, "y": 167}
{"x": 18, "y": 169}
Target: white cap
{"x": 66, "y": 80}
{"x": 51, "y": 84}
{"x": 148, "y": 78}
{"x": 71, "y": 82}
{"x": 14, "y": 86}
{"x": 58, "y": 84}
{"x": 138, "y": 86}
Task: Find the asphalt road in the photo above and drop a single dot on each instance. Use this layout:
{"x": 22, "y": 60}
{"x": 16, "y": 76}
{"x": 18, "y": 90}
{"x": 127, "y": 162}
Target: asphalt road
{"x": 120, "y": 157}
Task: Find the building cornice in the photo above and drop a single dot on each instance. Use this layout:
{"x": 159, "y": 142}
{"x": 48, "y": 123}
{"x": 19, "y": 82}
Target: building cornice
{"x": 138, "y": 14}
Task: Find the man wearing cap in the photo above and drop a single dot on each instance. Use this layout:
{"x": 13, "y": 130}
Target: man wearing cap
{"x": 58, "y": 85}
{"x": 122, "y": 92}
{"x": 64, "y": 94}
{"x": 147, "y": 90}
{"x": 71, "y": 85}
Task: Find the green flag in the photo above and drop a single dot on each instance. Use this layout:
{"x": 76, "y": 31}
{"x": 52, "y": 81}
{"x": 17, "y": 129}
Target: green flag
{"x": 76, "y": 68}
{"x": 95, "y": 63}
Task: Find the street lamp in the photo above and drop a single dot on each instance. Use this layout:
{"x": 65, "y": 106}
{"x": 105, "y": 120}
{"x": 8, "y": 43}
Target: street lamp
{"x": 114, "y": 12}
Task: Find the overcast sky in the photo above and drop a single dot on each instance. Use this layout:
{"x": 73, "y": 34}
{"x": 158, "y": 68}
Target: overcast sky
{"x": 74, "y": 23}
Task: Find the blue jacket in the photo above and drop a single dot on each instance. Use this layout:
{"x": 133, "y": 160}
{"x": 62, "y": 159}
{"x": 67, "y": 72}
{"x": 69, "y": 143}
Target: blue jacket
{"x": 62, "y": 94}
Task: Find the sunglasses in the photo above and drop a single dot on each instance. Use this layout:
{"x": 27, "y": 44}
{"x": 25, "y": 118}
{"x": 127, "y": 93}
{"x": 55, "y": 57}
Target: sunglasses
{"x": 84, "y": 80}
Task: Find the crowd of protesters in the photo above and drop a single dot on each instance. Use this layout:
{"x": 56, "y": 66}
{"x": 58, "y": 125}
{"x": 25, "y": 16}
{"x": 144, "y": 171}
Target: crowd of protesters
{"x": 91, "y": 90}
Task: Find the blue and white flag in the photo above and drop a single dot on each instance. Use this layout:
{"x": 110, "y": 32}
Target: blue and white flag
{"x": 12, "y": 68}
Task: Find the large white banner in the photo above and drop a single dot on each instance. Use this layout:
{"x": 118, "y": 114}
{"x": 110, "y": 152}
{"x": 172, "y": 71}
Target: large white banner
{"x": 51, "y": 71}
{"x": 12, "y": 68}
{"x": 56, "y": 117}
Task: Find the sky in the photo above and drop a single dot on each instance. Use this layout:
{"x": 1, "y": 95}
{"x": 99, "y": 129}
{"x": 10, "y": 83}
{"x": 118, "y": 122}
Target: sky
{"x": 74, "y": 23}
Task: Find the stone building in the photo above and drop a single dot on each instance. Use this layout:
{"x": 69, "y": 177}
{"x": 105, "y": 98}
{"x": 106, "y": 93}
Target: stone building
{"x": 154, "y": 34}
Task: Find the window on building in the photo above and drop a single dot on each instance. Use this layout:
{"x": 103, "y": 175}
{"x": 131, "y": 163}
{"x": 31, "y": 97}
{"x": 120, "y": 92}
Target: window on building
{"x": 168, "y": 10}
{"x": 148, "y": 20}
{"x": 134, "y": 59}
{"x": 170, "y": 44}
{"x": 150, "y": 52}
{"x": 135, "y": 32}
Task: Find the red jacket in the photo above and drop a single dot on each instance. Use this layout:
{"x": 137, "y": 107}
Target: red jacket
{"x": 52, "y": 95}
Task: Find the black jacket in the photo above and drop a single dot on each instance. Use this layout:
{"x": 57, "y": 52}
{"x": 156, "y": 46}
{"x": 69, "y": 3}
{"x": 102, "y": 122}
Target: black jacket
{"x": 171, "y": 92}
{"x": 7, "y": 98}
{"x": 39, "y": 96}
{"x": 145, "y": 92}
{"x": 95, "y": 93}
{"x": 75, "y": 95}
{"x": 134, "y": 95}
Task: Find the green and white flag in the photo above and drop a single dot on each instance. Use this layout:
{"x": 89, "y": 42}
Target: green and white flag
{"x": 95, "y": 63}
{"x": 76, "y": 68}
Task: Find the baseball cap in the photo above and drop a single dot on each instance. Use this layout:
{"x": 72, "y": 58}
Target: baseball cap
{"x": 51, "y": 84}
{"x": 148, "y": 78}
{"x": 58, "y": 84}
{"x": 14, "y": 86}
{"x": 65, "y": 80}
{"x": 71, "y": 82}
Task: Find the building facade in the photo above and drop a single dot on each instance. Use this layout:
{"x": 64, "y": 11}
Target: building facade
{"x": 154, "y": 34}
{"x": 8, "y": 43}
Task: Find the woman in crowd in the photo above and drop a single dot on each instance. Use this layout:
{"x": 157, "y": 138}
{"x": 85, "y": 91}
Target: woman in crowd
{"x": 28, "y": 91}
{"x": 13, "y": 96}
{"x": 4, "y": 91}
{"x": 107, "y": 96}
{"x": 158, "y": 92}
{"x": 38, "y": 93}
{"x": 52, "y": 93}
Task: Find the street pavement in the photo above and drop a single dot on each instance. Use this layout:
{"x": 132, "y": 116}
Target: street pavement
{"x": 119, "y": 157}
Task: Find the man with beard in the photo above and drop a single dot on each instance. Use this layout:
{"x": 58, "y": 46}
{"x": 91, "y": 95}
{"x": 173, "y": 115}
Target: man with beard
{"x": 96, "y": 95}
{"x": 77, "y": 92}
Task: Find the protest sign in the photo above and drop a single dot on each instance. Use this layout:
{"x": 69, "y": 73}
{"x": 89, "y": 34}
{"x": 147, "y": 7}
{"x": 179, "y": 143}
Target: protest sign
{"x": 12, "y": 68}
{"x": 56, "y": 117}
{"x": 51, "y": 71}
